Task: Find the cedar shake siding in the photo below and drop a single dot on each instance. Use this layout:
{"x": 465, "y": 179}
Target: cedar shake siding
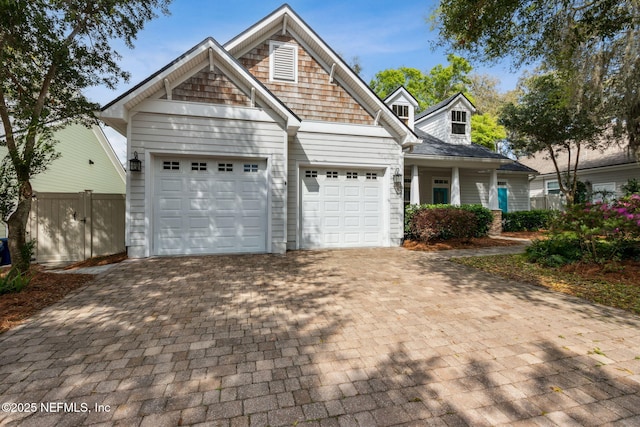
{"x": 211, "y": 88}
{"x": 312, "y": 97}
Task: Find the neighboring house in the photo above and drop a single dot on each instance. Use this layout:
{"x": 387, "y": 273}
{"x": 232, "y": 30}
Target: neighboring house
{"x": 87, "y": 162}
{"x": 604, "y": 172}
{"x": 266, "y": 144}
{"x": 448, "y": 168}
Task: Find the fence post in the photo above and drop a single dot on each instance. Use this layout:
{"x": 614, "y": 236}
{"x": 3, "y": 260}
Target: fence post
{"x": 86, "y": 199}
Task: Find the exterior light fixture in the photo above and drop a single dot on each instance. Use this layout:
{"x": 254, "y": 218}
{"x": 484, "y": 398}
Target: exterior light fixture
{"x": 397, "y": 181}
{"x": 135, "y": 165}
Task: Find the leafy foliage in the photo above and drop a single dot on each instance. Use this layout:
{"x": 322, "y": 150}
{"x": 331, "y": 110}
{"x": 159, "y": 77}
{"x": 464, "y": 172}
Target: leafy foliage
{"x": 51, "y": 51}
{"x": 599, "y": 232}
{"x": 631, "y": 187}
{"x": 485, "y": 130}
{"x": 12, "y": 283}
{"x": 441, "y": 222}
{"x": 484, "y": 218}
{"x": 428, "y": 89}
{"x": 533, "y": 220}
{"x": 595, "y": 45}
{"x": 546, "y": 120}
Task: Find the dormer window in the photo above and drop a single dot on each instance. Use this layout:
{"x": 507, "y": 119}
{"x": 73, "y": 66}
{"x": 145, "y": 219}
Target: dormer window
{"x": 283, "y": 62}
{"x": 459, "y": 122}
{"x": 402, "y": 111}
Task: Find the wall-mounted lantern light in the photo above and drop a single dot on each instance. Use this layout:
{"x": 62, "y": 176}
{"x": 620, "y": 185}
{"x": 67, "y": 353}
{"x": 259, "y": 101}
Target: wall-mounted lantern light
{"x": 397, "y": 181}
{"x": 135, "y": 165}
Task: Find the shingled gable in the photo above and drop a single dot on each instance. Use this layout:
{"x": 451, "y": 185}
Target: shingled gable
{"x": 207, "y": 53}
{"x": 284, "y": 21}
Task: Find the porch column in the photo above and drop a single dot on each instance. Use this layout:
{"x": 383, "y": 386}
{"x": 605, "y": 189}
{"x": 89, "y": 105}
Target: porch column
{"x": 414, "y": 197}
{"x": 455, "y": 186}
{"x": 493, "y": 190}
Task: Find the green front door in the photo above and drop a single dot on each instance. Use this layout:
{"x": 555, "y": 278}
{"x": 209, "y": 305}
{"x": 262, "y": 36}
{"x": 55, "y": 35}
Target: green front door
{"x": 440, "y": 196}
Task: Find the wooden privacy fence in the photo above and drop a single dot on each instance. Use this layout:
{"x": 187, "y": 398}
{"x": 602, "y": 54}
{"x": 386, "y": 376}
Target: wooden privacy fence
{"x": 549, "y": 202}
{"x": 76, "y": 226}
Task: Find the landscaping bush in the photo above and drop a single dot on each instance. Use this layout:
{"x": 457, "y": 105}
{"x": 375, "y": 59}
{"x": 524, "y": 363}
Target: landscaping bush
{"x": 527, "y": 220}
{"x": 600, "y": 232}
{"x": 442, "y": 223}
{"x": 409, "y": 213}
{"x": 554, "y": 252}
{"x": 484, "y": 218}
{"x": 10, "y": 283}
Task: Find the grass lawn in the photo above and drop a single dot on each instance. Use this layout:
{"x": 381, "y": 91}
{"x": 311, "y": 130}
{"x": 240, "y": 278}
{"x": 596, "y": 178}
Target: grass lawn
{"x": 614, "y": 285}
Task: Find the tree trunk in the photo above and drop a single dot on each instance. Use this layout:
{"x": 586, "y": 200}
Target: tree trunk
{"x": 17, "y": 224}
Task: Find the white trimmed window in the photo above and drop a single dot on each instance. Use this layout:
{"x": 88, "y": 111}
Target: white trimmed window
{"x": 283, "y": 62}
{"x": 458, "y": 122}
{"x": 402, "y": 111}
{"x": 553, "y": 187}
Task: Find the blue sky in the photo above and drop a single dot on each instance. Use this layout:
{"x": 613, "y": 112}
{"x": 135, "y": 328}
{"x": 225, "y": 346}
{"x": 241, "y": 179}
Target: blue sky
{"x": 383, "y": 34}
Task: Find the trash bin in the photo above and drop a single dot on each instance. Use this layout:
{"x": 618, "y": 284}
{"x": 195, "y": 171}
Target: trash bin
{"x": 5, "y": 258}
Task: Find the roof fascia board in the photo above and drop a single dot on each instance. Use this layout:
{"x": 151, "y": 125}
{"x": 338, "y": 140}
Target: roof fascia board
{"x": 108, "y": 148}
{"x": 447, "y": 104}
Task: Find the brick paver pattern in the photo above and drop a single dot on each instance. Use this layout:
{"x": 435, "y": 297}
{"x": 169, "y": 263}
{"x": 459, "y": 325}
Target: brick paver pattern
{"x": 372, "y": 337}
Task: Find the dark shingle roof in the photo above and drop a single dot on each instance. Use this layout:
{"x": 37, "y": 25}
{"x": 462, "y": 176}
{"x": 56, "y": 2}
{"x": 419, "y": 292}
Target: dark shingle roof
{"x": 432, "y": 146}
{"x": 440, "y": 105}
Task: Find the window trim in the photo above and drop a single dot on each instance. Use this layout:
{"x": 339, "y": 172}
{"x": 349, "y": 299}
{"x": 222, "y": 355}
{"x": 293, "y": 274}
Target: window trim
{"x": 457, "y": 122}
{"x": 273, "y": 46}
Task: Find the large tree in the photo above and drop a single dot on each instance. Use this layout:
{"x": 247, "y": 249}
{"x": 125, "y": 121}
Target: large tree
{"x": 545, "y": 120}
{"x": 50, "y": 51}
{"x": 594, "y": 44}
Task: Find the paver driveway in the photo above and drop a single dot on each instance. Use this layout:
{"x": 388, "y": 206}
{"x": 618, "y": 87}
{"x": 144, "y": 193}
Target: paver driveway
{"x": 334, "y": 338}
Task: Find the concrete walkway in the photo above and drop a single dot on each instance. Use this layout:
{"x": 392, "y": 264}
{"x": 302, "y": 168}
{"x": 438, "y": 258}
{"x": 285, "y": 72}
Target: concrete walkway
{"x": 374, "y": 337}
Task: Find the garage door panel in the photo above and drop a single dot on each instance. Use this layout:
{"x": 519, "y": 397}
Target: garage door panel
{"x": 170, "y": 184}
{"x": 341, "y": 208}
{"x": 208, "y": 206}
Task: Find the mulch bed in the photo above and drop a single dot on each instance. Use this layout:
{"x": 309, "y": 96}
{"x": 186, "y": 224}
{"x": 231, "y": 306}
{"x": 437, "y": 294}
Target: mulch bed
{"x": 43, "y": 290}
{"x": 627, "y": 272}
{"x": 444, "y": 245}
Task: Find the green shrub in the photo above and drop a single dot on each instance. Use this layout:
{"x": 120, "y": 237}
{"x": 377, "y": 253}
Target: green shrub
{"x": 555, "y": 251}
{"x": 442, "y": 223}
{"x": 484, "y": 218}
{"x": 527, "y": 220}
{"x": 409, "y": 213}
{"x": 11, "y": 283}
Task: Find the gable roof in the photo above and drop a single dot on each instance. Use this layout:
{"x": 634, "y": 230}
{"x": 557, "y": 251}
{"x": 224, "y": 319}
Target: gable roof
{"x": 284, "y": 19}
{"x": 401, "y": 92}
{"x": 612, "y": 155}
{"x": 444, "y": 104}
{"x": 206, "y": 52}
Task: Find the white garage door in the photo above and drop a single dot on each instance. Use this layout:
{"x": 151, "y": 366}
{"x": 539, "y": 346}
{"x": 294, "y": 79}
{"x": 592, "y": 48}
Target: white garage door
{"x": 208, "y": 206}
{"x": 341, "y": 208}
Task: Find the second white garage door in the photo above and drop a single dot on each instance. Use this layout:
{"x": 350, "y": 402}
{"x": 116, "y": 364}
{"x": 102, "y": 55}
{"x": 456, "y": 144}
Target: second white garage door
{"x": 209, "y": 206}
{"x": 341, "y": 208}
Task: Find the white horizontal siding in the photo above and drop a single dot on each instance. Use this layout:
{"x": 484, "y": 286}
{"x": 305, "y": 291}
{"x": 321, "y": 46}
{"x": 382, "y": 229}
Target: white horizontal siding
{"x": 336, "y": 150}
{"x": 618, "y": 175}
{"x": 194, "y": 136}
{"x": 518, "y": 186}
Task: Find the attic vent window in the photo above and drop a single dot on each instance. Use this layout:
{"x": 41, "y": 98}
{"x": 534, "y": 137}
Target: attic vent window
{"x": 283, "y": 62}
{"x": 459, "y": 122}
{"x": 401, "y": 111}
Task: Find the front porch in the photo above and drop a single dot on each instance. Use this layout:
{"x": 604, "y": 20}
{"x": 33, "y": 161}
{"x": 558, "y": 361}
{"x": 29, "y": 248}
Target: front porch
{"x": 430, "y": 184}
